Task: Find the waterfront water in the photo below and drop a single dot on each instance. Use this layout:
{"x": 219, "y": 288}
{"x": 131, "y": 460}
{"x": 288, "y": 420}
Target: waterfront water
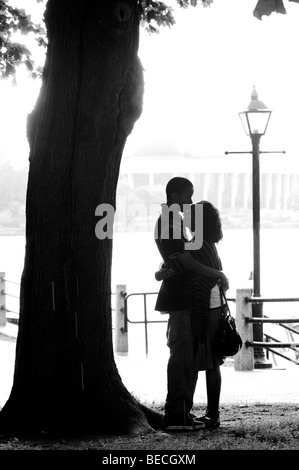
{"x": 136, "y": 258}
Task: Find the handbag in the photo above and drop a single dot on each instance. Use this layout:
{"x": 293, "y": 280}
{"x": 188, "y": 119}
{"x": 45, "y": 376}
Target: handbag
{"x": 228, "y": 341}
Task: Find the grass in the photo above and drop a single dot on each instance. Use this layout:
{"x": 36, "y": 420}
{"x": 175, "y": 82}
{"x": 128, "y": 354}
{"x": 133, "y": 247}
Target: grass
{"x": 250, "y": 427}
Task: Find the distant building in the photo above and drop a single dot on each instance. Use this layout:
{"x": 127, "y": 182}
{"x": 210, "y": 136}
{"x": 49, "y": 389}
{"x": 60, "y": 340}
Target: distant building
{"x": 225, "y": 181}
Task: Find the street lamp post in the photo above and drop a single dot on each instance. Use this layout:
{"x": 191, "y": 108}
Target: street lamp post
{"x": 255, "y": 122}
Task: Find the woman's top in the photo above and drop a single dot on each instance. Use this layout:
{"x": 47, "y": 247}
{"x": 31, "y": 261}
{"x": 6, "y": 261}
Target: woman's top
{"x": 215, "y": 299}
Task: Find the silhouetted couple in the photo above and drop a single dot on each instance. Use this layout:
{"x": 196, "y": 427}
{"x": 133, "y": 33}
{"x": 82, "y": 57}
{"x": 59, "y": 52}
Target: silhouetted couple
{"x": 186, "y": 235}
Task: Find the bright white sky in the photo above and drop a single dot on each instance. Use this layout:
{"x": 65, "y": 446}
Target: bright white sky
{"x": 198, "y": 75}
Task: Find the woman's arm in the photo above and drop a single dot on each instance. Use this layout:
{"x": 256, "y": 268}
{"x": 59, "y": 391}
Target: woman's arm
{"x": 188, "y": 263}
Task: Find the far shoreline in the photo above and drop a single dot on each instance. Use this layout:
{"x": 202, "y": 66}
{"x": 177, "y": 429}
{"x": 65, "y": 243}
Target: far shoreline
{"x": 11, "y": 231}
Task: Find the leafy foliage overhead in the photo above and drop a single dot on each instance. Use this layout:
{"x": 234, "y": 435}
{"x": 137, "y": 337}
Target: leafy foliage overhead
{"x": 266, "y": 7}
{"x": 13, "y": 53}
{"x": 157, "y": 12}
{"x": 153, "y": 13}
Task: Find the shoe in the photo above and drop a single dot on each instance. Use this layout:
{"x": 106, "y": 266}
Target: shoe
{"x": 197, "y": 422}
{"x": 179, "y": 424}
{"x": 209, "y": 421}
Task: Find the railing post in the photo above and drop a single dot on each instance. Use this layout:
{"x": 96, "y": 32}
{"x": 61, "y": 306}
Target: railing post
{"x": 244, "y": 360}
{"x": 2, "y": 300}
{"x": 121, "y": 331}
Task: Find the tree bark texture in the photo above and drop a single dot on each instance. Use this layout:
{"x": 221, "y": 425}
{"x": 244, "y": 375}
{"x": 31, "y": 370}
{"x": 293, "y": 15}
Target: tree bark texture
{"x": 65, "y": 375}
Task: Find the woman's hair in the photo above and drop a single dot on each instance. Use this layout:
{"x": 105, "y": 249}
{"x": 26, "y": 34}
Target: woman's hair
{"x": 212, "y": 225}
{"x": 177, "y": 185}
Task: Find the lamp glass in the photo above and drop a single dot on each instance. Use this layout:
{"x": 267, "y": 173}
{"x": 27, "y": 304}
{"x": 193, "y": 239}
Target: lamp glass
{"x": 244, "y": 121}
{"x": 255, "y": 122}
{"x": 258, "y": 121}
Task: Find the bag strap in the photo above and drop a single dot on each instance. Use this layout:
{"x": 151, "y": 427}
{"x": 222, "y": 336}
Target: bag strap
{"x": 223, "y": 296}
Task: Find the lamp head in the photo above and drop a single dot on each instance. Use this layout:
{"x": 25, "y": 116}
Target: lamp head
{"x": 256, "y": 118}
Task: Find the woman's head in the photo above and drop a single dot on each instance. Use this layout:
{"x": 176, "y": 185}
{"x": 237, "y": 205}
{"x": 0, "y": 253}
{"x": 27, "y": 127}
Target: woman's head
{"x": 212, "y": 225}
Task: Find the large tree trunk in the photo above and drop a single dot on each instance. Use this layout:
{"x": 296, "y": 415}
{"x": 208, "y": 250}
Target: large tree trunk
{"x": 65, "y": 374}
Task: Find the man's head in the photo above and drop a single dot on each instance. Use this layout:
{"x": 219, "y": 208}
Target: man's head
{"x": 179, "y": 191}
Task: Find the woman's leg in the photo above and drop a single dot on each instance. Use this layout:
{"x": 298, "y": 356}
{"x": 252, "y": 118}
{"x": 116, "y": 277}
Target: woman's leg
{"x": 213, "y": 384}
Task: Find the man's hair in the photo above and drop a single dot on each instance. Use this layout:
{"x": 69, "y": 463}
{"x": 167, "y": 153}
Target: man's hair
{"x": 177, "y": 185}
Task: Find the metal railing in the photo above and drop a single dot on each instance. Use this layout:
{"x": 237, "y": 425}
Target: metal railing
{"x": 244, "y": 300}
{"x": 145, "y": 321}
{"x": 6, "y": 314}
{"x": 245, "y": 322}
